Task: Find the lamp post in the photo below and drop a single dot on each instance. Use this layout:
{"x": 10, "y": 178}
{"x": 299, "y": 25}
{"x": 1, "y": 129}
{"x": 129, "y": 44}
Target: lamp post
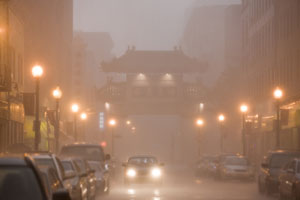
{"x": 221, "y": 119}
{"x": 112, "y": 123}
{"x": 75, "y": 109}
{"x": 199, "y": 124}
{"x": 278, "y": 94}
{"x": 37, "y": 72}
{"x": 57, "y": 96}
{"x": 244, "y": 110}
{"x": 83, "y": 117}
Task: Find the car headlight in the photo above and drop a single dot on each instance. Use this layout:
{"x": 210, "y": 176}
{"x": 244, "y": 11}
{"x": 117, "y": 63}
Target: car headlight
{"x": 131, "y": 173}
{"x": 156, "y": 173}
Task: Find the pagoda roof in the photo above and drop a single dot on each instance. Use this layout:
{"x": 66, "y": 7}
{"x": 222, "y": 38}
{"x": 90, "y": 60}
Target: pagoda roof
{"x": 154, "y": 62}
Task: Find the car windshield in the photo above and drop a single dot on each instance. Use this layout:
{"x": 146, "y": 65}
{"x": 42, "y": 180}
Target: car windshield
{"x": 279, "y": 160}
{"x": 142, "y": 161}
{"x": 235, "y": 161}
{"x": 44, "y": 162}
{"x": 81, "y": 165}
{"x": 18, "y": 183}
{"x": 86, "y": 152}
{"x": 67, "y": 165}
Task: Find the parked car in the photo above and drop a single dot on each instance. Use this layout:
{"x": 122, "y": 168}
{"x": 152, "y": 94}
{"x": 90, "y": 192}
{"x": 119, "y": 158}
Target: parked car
{"x": 236, "y": 167}
{"x": 51, "y": 180}
{"x": 46, "y": 159}
{"x": 205, "y": 166}
{"x": 270, "y": 168}
{"x": 140, "y": 169}
{"x": 20, "y": 179}
{"x": 289, "y": 180}
{"x": 89, "y": 174}
{"x": 102, "y": 177}
{"x": 219, "y": 159}
{"x": 77, "y": 182}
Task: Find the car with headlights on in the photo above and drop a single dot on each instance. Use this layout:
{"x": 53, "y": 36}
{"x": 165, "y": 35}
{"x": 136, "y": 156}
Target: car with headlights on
{"x": 268, "y": 174}
{"x": 143, "y": 169}
{"x": 236, "y": 167}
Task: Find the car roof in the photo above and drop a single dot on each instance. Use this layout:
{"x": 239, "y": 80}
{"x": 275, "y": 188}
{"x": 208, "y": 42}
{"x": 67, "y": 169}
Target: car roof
{"x": 82, "y": 144}
{"x": 284, "y": 152}
{"x": 13, "y": 159}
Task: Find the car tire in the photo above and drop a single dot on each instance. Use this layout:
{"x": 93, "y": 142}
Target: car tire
{"x": 294, "y": 194}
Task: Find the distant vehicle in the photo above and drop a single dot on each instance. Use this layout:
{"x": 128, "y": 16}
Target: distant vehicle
{"x": 205, "y": 166}
{"x": 102, "y": 177}
{"x": 20, "y": 179}
{"x": 89, "y": 174}
{"x": 51, "y": 180}
{"x": 289, "y": 180}
{"x": 89, "y": 152}
{"x": 78, "y": 183}
{"x": 270, "y": 168}
{"x": 140, "y": 169}
{"x": 217, "y": 164}
{"x": 236, "y": 167}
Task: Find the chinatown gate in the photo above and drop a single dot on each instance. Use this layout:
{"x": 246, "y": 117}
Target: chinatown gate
{"x": 153, "y": 83}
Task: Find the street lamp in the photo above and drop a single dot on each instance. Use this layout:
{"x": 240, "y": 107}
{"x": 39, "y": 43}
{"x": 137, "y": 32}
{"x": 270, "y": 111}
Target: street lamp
{"x": 221, "y": 121}
{"x": 112, "y": 123}
{"x": 278, "y": 94}
{"x": 75, "y": 109}
{"x": 199, "y": 122}
{"x": 37, "y": 72}
{"x": 57, "y": 96}
{"x": 128, "y": 122}
{"x": 244, "y": 110}
{"x": 83, "y": 117}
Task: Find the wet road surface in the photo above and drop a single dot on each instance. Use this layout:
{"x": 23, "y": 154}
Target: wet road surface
{"x": 179, "y": 184}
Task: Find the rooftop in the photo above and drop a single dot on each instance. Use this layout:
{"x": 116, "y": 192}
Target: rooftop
{"x": 154, "y": 62}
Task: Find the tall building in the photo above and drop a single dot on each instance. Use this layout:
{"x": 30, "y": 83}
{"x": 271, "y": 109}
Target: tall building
{"x": 271, "y": 59}
{"x": 204, "y": 39}
{"x": 11, "y": 76}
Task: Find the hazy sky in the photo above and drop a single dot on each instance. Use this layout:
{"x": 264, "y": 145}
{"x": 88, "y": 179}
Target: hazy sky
{"x": 147, "y": 24}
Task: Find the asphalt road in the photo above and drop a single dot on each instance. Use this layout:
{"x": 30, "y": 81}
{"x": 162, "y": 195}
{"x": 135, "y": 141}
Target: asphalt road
{"x": 180, "y": 184}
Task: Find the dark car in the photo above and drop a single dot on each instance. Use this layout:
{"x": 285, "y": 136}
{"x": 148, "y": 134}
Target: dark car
{"x": 78, "y": 183}
{"x": 218, "y": 163}
{"x": 270, "y": 168}
{"x": 20, "y": 179}
{"x": 289, "y": 180}
{"x": 89, "y": 174}
{"x": 51, "y": 180}
{"x": 139, "y": 169}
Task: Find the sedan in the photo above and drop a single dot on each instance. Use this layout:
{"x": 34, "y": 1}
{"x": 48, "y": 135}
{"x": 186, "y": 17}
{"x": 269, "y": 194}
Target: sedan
{"x": 139, "y": 169}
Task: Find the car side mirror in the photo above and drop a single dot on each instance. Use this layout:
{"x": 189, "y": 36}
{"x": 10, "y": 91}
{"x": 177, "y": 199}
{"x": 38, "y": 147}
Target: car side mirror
{"x": 61, "y": 194}
{"x": 264, "y": 165}
{"x": 83, "y": 174}
{"x": 69, "y": 174}
{"x": 107, "y": 157}
{"x": 92, "y": 171}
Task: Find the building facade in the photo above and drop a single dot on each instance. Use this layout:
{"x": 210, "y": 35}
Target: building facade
{"x": 271, "y": 59}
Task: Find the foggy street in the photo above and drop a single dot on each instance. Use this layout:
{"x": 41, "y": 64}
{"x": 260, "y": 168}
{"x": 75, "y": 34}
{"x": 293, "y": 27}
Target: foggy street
{"x": 180, "y": 184}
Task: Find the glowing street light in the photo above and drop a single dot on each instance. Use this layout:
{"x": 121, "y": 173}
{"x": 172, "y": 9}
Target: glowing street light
{"x": 199, "y": 122}
{"x": 75, "y": 108}
{"x": 57, "y": 94}
{"x": 244, "y": 108}
{"x": 83, "y": 116}
{"x": 37, "y": 72}
{"x": 278, "y": 93}
{"x": 112, "y": 122}
{"x": 128, "y": 122}
{"x": 221, "y": 118}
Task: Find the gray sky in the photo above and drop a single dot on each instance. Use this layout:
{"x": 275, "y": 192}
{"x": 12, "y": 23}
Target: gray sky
{"x": 147, "y": 24}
